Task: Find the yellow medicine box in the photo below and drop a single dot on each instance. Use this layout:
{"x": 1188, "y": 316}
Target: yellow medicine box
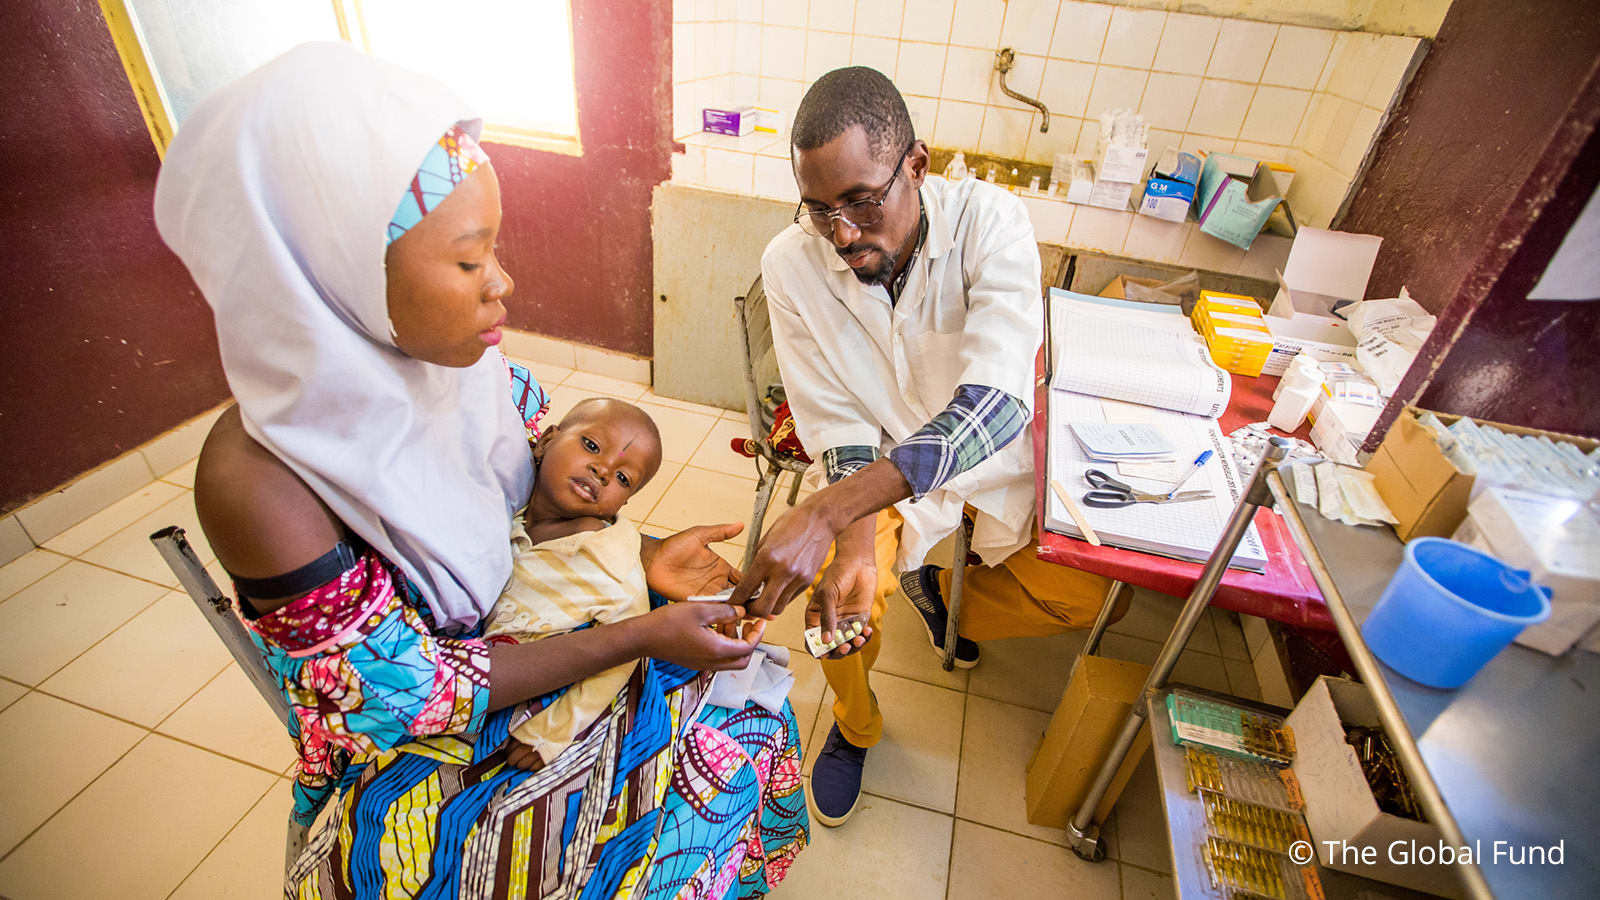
{"x": 1234, "y": 331}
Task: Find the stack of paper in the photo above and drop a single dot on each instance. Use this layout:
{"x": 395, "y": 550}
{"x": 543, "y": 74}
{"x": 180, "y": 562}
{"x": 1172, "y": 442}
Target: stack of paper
{"x": 1122, "y": 442}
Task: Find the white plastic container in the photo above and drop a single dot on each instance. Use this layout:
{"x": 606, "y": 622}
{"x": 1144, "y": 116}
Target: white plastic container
{"x": 1296, "y": 394}
{"x": 957, "y": 170}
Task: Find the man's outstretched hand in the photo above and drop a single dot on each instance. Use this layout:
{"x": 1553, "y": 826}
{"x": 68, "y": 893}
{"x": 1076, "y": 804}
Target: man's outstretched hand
{"x": 684, "y": 565}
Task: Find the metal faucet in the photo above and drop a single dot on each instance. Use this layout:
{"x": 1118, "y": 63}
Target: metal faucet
{"x": 1004, "y": 58}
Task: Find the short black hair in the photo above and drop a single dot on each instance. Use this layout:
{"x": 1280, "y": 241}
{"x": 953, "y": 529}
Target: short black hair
{"x": 852, "y": 96}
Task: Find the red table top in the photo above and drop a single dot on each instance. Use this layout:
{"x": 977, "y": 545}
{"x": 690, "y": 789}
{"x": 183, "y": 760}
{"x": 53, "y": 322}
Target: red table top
{"x": 1285, "y": 592}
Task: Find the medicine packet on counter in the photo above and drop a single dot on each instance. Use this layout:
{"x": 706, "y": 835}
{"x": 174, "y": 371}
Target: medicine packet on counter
{"x": 1345, "y": 494}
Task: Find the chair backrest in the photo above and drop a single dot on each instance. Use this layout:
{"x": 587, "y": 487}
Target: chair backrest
{"x": 218, "y": 609}
{"x": 760, "y": 360}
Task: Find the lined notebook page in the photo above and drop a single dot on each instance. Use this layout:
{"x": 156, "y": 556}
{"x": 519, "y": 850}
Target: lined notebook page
{"x": 1151, "y": 356}
{"x": 1183, "y": 530}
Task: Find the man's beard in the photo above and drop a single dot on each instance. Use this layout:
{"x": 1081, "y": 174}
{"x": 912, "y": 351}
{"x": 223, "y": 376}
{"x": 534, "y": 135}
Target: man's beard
{"x": 878, "y": 274}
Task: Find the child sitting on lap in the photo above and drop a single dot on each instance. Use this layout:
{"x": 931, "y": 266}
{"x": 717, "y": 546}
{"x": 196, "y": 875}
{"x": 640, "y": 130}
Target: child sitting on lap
{"x": 574, "y": 561}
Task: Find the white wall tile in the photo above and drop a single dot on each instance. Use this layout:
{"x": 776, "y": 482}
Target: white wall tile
{"x": 1024, "y": 77}
{"x": 879, "y": 18}
{"x": 1133, "y": 36}
{"x": 14, "y": 541}
{"x": 729, "y": 170}
{"x": 1263, "y": 152}
{"x": 1080, "y": 31}
{"x": 1242, "y": 50}
{"x": 1066, "y": 86}
{"x": 1116, "y": 88}
{"x": 959, "y": 125}
{"x": 1220, "y": 107}
{"x": 705, "y": 10}
{"x": 747, "y": 48}
{"x": 1051, "y": 218}
{"x": 920, "y": 70}
{"x": 1363, "y": 131}
{"x": 1094, "y": 228}
{"x": 1161, "y": 139}
{"x": 1061, "y": 138}
{"x": 57, "y": 511}
{"x": 688, "y": 167}
{"x": 927, "y": 20}
{"x": 1335, "y": 57}
{"x": 1028, "y": 25}
{"x": 875, "y": 53}
{"x": 539, "y": 348}
{"x": 722, "y": 49}
{"x": 1201, "y": 143}
{"x": 1297, "y": 56}
{"x": 1088, "y": 138}
{"x": 1168, "y": 101}
{"x": 924, "y": 113}
{"x": 744, "y": 89}
{"x": 1202, "y": 251}
{"x": 181, "y": 444}
{"x": 611, "y": 364}
{"x": 682, "y": 11}
{"x": 727, "y": 10}
{"x": 783, "y": 52}
{"x": 1186, "y": 44}
{"x": 1341, "y": 122}
{"x": 1391, "y": 59}
{"x": 1005, "y": 131}
{"x": 747, "y": 10}
{"x": 682, "y": 52}
{"x": 1309, "y": 120}
{"x": 1352, "y": 75}
{"x": 977, "y": 23}
{"x": 784, "y": 12}
{"x": 782, "y": 94}
{"x": 1155, "y": 239}
{"x": 967, "y": 73}
{"x": 1274, "y": 115}
{"x": 833, "y": 15}
{"x": 825, "y": 51}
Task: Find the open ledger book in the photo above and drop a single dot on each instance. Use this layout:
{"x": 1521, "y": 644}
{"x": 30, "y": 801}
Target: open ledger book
{"x": 1116, "y": 361}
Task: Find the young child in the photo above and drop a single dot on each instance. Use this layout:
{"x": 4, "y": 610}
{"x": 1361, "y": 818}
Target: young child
{"x": 574, "y": 561}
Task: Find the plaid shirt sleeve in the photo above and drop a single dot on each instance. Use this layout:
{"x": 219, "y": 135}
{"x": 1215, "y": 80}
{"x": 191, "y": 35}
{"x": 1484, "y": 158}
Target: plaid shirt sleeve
{"x": 978, "y": 422}
{"x": 838, "y": 462}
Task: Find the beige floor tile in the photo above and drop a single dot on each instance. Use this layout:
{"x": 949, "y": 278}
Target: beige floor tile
{"x": 10, "y": 692}
{"x": 1143, "y": 884}
{"x": 1000, "y": 739}
{"x": 1141, "y": 824}
{"x": 64, "y": 747}
{"x": 788, "y": 629}
{"x": 130, "y": 550}
{"x": 887, "y": 851}
{"x": 55, "y": 512}
{"x": 650, "y": 396}
{"x": 112, "y": 519}
{"x": 986, "y": 862}
{"x": 183, "y": 476}
{"x": 230, "y": 716}
{"x": 702, "y": 497}
{"x": 1030, "y": 671}
{"x": 639, "y": 505}
{"x": 919, "y": 757}
{"x": 906, "y": 650}
{"x": 716, "y": 454}
{"x": 681, "y": 432}
{"x": 147, "y": 668}
{"x": 806, "y": 694}
{"x": 1230, "y": 636}
{"x": 248, "y": 864}
{"x": 26, "y": 569}
{"x": 145, "y": 823}
{"x": 733, "y": 553}
{"x": 616, "y": 387}
{"x": 1199, "y": 669}
{"x": 1242, "y": 680}
{"x": 1152, "y": 615}
{"x": 44, "y": 626}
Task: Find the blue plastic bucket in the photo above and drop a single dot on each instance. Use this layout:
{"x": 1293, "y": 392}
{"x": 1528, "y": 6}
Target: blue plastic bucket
{"x": 1448, "y": 610}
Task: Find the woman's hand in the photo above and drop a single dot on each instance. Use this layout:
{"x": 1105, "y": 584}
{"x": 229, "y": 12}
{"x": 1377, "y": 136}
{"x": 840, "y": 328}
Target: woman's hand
{"x": 684, "y": 565}
{"x": 685, "y": 633}
{"x": 844, "y": 594}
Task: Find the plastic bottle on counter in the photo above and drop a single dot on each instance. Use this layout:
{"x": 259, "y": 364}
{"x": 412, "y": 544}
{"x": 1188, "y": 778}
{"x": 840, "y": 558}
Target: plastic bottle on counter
{"x": 1296, "y": 393}
{"x": 957, "y": 169}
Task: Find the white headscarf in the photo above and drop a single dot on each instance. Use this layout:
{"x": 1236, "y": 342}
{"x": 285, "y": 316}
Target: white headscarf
{"x": 276, "y": 194}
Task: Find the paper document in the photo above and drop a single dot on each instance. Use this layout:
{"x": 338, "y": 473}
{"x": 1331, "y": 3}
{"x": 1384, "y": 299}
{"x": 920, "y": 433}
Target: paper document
{"x": 1183, "y": 530}
{"x": 1111, "y": 441}
{"x": 1138, "y": 352}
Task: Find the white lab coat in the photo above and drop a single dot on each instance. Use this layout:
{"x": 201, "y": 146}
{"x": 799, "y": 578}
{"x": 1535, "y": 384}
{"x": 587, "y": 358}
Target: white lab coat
{"x": 860, "y": 372}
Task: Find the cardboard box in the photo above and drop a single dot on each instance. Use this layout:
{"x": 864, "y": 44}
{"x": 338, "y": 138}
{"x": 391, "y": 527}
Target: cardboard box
{"x": 1339, "y": 804}
{"x": 1423, "y": 489}
{"x": 1236, "y": 196}
{"x": 1118, "y": 288}
{"x": 734, "y": 120}
{"x": 1169, "y": 191}
{"x": 1118, "y": 162}
{"x": 1557, "y": 541}
{"x": 1110, "y": 194}
{"x": 1326, "y": 271}
{"x": 1097, "y": 700}
{"x": 1341, "y": 427}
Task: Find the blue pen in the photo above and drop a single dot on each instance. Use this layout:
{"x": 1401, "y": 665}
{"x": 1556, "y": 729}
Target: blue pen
{"x": 1198, "y": 462}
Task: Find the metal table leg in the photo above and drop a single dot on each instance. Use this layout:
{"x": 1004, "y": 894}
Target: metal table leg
{"x": 1082, "y": 833}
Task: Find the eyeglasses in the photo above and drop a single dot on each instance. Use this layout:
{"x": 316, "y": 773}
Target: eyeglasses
{"x": 860, "y": 215}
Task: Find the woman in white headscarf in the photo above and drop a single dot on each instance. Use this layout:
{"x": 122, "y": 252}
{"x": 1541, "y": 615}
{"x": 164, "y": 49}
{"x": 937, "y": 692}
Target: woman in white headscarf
{"x": 340, "y": 217}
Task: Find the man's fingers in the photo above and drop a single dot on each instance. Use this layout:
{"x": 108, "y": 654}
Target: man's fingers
{"x": 826, "y": 598}
{"x": 710, "y": 534}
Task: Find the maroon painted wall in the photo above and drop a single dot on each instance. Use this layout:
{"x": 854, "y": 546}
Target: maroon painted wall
{"x": 1480, "y": 111}
{"x": 576, "y": 234}
{"x": 106, "y": 342}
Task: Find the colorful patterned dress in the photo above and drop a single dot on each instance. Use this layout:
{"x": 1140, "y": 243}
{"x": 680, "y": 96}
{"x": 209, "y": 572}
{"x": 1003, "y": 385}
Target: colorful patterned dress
{"x": 663, "y": 797}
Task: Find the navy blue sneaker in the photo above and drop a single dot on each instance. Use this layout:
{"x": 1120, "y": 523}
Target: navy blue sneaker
{"x": 922, "y": 590}
{"x": 836, "y": 779}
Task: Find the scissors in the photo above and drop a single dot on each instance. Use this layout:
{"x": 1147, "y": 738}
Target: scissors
{"x": 1109, "y": 493}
